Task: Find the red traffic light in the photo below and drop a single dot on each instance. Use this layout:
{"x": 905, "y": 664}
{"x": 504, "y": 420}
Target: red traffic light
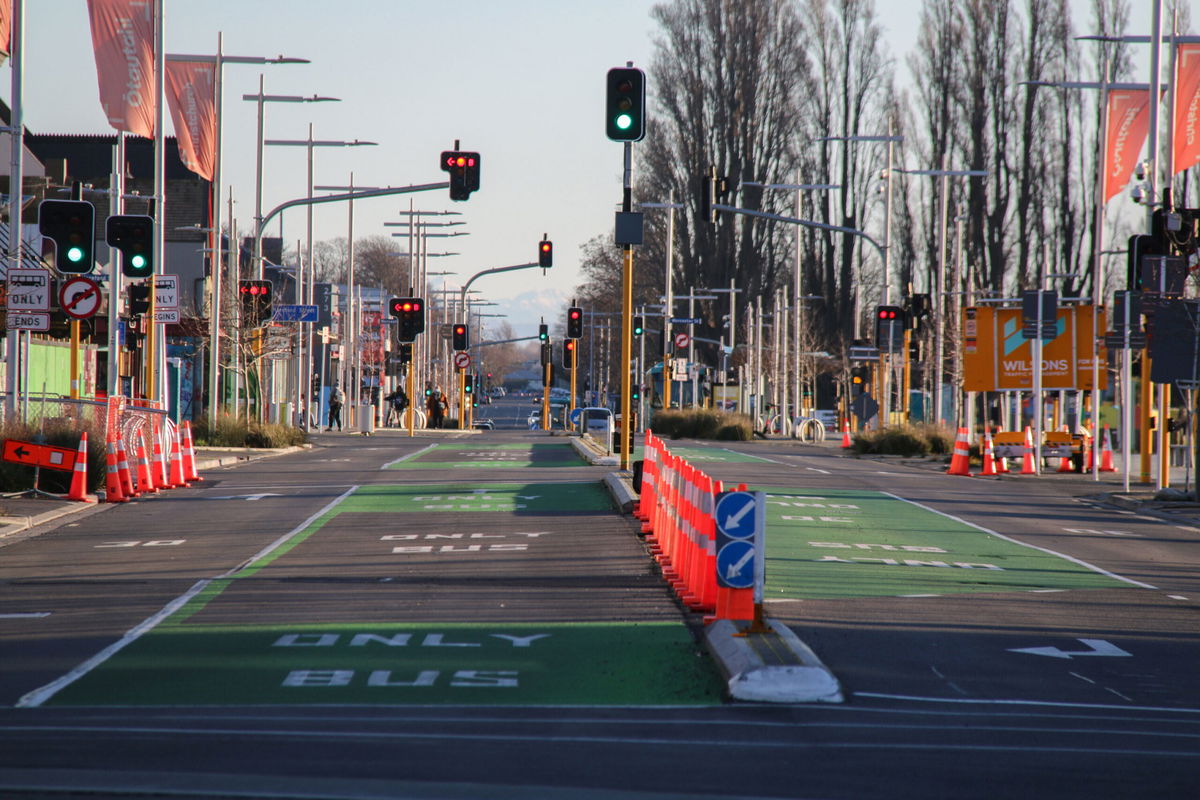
{"x": 575, "y": 313}
{"x": 887, "y": 313}
{"x": 569, "y": 344}
{"x": 459, "y": 330}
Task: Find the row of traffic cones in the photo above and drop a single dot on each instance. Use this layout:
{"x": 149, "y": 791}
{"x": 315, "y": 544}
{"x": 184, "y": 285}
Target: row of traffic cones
{"x": 960, "y": 462}
{"x": 152, "y": 475}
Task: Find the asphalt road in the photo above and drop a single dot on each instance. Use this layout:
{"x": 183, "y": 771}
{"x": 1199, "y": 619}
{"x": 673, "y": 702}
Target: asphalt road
{"x": 563, "y": 667}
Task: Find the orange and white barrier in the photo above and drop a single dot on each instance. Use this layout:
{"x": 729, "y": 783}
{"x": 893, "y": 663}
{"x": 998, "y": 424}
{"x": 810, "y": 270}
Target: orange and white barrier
{"x": 989, "y": 457}
{"x": 79, "y": 484}
{"x": 112, "y": 476}
{"x": 1106, "y": 453}
{"x": 960, "y": 462}
{"x": 677, "y": 504}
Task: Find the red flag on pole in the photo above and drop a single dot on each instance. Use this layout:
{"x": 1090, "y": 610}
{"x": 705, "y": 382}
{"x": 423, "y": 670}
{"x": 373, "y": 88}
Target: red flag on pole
{"x": 6, "y": 11}
{"x": 191, "y": 99}
{"x": 1187, "y": 107}
{"x": 1128, "y": 124}
{"x": 123, "y": 40}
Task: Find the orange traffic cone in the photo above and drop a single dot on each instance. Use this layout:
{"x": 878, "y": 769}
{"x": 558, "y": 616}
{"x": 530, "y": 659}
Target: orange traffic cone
{"x": 112, "y": 477}
{"x": 177, "y": 479}
{"x": 123, "y": 470}
{"x": 78, "y": 490}
{"x": 846, "y": 435}
{"x": 158, "y": 469}
{"x": 989, "y": 456}
{"x": 144, "y": 481}
{"x": 1106, "y": 454}
{"x": 960, "y": 463}
{"x": 189, "y": 454}
{"x": 1028, "y": 467}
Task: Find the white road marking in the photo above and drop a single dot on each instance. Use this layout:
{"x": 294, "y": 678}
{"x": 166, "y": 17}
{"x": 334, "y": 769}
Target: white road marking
{"x": 26, "y": 615}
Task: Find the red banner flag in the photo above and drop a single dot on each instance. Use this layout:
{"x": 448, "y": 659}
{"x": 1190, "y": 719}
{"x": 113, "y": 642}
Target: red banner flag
{"x": 1128, "y": 124}
{"x": 123, "y": 40}
{"x": 1187, "y": 107}
{"x": 191, "y": 99}
{"x": 6, "y": 11}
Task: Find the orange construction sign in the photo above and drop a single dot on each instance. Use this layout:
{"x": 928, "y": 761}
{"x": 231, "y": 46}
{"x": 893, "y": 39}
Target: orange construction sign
{"x": 997, "y": 357}
{"x": 39, "y": 455}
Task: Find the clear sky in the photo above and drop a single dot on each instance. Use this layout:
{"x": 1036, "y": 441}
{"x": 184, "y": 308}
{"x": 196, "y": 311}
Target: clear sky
{"x": 521, "y": 81}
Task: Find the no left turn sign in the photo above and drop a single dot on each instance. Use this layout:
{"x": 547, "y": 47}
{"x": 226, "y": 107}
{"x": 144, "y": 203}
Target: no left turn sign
{"x": 79, "y": 298}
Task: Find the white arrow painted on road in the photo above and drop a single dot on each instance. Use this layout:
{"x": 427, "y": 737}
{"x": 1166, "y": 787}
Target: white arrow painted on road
{"x": 1099, "y": 647}
{"x": 247, "y": 496}
{"x": 735, "y": 519}
{"x": 735, "y": 568}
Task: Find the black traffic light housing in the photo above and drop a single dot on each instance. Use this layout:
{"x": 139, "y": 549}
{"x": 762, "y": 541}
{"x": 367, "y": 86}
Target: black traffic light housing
{"x": 543, "y": 333}
{"x": 574, "y": 322}
{"x": 568, "y": 350}
{"x": 545, "y": 253}
{"x": 256, "y": 300}
{"x": 72, "y": 226}
{"x": 410, "y": 311}
{"x": 639, "y": 325}
{"x": 545, "y": 352}
{"x": 625, "y": 104}
{"x": 890, "y": 323}
{"x": 463, "y": 167}
{"x": 133, "y": 235}
{"x": 139, "y": 299}
{"x": 404, "y": 354}
{"x": 858, "y": 379}
{"x": 460, "y": 336}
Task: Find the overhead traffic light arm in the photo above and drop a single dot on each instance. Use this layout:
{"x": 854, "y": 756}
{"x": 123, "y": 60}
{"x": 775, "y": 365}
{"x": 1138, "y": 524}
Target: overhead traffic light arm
{"x": 806, "y": 222}
{"x": 493, "y": 271}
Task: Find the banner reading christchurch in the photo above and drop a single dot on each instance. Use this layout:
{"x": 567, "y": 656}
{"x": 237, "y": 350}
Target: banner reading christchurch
{"x": 1128, "y": 124}
{"x": 192, "y": 102}
{"x": 1187, "y": 107}
{"x": 123, "y": 40}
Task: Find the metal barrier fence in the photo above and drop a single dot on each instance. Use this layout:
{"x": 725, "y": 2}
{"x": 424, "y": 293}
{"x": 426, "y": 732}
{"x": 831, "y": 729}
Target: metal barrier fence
{"x": 93, "y": 414}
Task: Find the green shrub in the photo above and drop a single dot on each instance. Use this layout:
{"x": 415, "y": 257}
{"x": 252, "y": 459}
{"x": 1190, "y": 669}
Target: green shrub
{"x": 904, "y": 440}
{"x": 701, "y": 423}
{"x": 237, "y": 431}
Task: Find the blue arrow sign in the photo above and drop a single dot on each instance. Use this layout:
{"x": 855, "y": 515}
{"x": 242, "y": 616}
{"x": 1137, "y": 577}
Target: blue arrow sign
{"x": 735, "y": 565}
{"x": 735, "y": 513}
{"x": 296, "y": 313}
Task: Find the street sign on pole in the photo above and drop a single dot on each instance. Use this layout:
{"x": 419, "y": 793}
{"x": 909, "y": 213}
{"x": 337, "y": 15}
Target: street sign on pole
{"x": 28, "y": 290}
{"x": 296, "y": 313}
{"x": 79, "y": 297}
{"x": 740, "y": 518}
{"x": 166, "y": 291}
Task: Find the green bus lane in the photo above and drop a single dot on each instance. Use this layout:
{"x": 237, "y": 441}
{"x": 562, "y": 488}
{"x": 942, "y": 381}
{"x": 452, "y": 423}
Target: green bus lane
{"x": 840, "y": 543}
{"x": 465, "y": 455}
{"x": 449, "y": 663}
{"x": 424, "y": 595}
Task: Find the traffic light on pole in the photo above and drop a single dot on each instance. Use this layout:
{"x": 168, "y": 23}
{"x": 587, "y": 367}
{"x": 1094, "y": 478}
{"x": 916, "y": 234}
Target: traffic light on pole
{"x": 574, "y": 322}
{"x": 139, "y": 299}
{"x": 461, "y": 336}
{"x": 543, "y": 333}
{"x": 71, "y": 224}
{"x": 625, "y": 104}
{"x": 546, "y": 352}
{"x": 133, "y": 235}
{"x": 410, "y": 311}
{"x": 568, "y": 350}
{"x": 464, "y": 172}
{"x": 890, "y": 322}
{"x": 256, "y": 300}
{"x": 639, "y": 325}
{"x": 545, "y": 253}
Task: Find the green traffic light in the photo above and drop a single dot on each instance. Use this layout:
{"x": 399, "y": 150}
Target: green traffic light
{"x": 138, "y": 261}
{"x": 624, "y": 121}
{"x": 75, "y": 255}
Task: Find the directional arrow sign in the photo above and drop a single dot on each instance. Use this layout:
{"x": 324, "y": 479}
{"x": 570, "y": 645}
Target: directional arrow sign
{"x": 735, "y": 515}
{"x": 735, "y": 565}
{"x": 1099, "y": 647}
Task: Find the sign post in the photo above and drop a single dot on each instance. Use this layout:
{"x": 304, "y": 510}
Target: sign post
{"x": 741, "y": 560}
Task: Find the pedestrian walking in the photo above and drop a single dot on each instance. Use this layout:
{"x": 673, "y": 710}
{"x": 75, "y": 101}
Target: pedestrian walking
{"x": 336, "y": 399}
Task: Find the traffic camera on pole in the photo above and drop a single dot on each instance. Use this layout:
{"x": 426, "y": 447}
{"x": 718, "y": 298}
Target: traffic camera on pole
{"x": 574, "y": 322}
{"x": 256, "y": 300}
{"x": 461, "y": 336}
{"x": 133, "y": 235}
{"x": 464, "y": 172}
{"x": 625, "y": 104}
{"x": 890, "y": 322}
{"x": 71, "y": 224}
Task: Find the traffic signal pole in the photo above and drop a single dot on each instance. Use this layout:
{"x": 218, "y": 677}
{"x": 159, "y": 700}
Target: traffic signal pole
{"x": 626, "y": 314}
